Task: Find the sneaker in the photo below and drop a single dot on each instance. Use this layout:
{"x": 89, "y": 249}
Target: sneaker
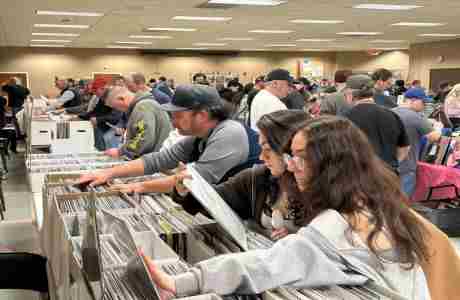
{"x": 4, "y": 176}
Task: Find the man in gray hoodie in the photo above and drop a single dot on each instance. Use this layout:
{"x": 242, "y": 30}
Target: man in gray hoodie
{"x": 148, "y": 125}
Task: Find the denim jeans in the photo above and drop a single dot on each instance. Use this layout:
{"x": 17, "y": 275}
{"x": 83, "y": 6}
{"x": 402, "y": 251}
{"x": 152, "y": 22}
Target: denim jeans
{"x": 408, "y": 183}
{"x": 111, "y": 140}
{"x": 106, "y": 140}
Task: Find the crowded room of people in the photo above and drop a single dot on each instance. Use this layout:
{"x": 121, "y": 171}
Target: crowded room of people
{"x": 230, "y": 150}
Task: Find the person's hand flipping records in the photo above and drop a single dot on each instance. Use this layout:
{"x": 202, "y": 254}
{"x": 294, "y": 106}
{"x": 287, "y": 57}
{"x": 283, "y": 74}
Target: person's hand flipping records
{"x": 181, "y": 174}
{"x": 163, "y": 281}
{"x": 127, "y": 188}
{"x": 95, "y": 179}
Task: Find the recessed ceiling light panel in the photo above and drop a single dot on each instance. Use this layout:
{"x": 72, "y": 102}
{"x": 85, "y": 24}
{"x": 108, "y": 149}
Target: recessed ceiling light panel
{"x": 46, "y": 45}
{"x": 68, "y": 13}
{"x": 236, "y": 39}
{"x": 210, "y": 44}
{"x": 55, "y": 34}
{"x": 192, "y": 18}
{"x": 61, "y": 26}
{"x": 388, "y": 41}
{"x": 418, "y": 24}
{"x": 315, "y": 40}
{"x": 51, "y": 41}
{"x": 271, "y": 31}
{"x": 359, "y": 33}
{"x": 386, "y": 6}
{"x": 158, "y": 37}
{"x": 248, "y": 2}
{"x": 281, "y": 45}
{"x": 439, "y": 35}
{"x": 134, "y": 43}
{"x": 307, "y": 21}
{"x": 171, "y": 29}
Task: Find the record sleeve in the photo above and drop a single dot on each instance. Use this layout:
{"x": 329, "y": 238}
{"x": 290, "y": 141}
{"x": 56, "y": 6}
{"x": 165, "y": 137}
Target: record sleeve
{"x": 217, "y": 207}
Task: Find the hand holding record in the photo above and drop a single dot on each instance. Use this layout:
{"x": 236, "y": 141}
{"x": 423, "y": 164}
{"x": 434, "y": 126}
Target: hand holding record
{"x": 164, "y": 282}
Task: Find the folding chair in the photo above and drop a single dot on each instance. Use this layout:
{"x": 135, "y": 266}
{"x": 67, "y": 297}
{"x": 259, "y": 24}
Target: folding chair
{"x": 24, "y": 271}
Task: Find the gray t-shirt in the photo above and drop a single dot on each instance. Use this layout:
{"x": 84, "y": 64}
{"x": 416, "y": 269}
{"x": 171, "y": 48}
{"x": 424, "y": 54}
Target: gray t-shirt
{"x": 226, "y": 147}
{"x": 417, "y": 126}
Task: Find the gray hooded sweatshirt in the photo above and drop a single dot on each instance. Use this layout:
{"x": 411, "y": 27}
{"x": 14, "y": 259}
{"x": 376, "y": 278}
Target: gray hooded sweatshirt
{"x": 320, "y": 254}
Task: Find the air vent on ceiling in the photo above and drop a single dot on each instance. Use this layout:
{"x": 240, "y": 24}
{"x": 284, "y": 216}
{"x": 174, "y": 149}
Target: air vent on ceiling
{"x": 207, "y": 5}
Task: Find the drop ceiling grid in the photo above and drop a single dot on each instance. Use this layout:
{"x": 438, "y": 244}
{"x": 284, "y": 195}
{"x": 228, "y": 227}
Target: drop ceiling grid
{"x": 124, "y": 18}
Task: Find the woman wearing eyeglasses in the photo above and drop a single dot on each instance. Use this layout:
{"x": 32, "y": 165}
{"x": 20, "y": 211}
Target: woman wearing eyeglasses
{"x": 356, "y": 230}
{"x": 256, "y": 193}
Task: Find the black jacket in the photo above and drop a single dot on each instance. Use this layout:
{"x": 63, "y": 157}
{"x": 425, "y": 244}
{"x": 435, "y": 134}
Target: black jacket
{"x": 103, "y": 114}
{"x": 16, "y": 94}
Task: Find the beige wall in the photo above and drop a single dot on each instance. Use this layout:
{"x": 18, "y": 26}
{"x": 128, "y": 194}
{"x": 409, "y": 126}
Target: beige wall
{"x": 426, "y": 56}
{"x": 43, "y": 64}
{"x": 361, "y": 61}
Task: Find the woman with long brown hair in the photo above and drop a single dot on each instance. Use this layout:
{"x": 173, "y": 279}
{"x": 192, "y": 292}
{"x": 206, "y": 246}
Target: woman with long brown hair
{"x": 357, "y": 228}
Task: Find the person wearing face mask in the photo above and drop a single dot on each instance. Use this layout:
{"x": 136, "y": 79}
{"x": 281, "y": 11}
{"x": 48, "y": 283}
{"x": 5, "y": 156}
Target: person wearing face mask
{"x": 256, "y": 193}
{"x": 356, "y": 230}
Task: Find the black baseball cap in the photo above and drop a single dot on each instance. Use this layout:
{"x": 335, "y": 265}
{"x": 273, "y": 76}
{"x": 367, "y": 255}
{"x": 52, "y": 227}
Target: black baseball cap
{"x": 279, "y": 74}
{"x": 193, "y": 96}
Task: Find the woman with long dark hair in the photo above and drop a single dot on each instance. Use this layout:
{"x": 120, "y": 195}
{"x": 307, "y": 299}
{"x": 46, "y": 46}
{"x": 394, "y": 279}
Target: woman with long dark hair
{"x": 256, "y": 193}
{"x": 357, "y": 227}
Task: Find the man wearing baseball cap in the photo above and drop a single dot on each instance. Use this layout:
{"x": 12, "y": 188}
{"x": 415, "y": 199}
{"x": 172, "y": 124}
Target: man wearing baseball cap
{"x": 100, "y": 115}
{"x": 383, "y": 128}
{"x": 417, "y": 126}
{"x": 218, "y": 147}
{"x": 269, "y": 99}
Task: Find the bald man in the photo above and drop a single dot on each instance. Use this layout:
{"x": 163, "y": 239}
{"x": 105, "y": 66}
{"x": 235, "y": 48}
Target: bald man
{"x": 148, "y": 125}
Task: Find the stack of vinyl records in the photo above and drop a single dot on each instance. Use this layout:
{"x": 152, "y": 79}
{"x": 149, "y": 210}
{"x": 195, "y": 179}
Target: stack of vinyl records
{"x": 72, "y": 162}
{"x": 137, "y": 179}
{"x": 79, "y": 204}
{"x": 156, "y": 204}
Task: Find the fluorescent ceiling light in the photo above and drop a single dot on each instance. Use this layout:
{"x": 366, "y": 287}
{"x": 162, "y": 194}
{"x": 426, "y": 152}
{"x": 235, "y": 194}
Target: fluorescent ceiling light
{"x": 390, "y": 49}
{"x": 48, "y": 46}
{"x": 192, "y": 18}
{"x": 418, "y": 24}
{"x": 68, "y": 13}
{"x": 439, "y": 35}
{"x": 270, "y": 31}
{"x": 236, "y": 39}
{"x": 387, "y": 6}
{"x": 305, "y": 21}
{"x": 134, "y": 43}
{"x": 61, "y": 26}
{"x": 359, "y": 33}
{"x": 315, "y": 40}
{"x": 388, "y": 41}
{"x": 192, "y": 48}
{"x": 171, "y": 29}
{"x": 281, "y": 45}
{"x": 253, "y": 49}
{"x": 51, "y": 41}
{"x": 158, "y": 37}
{"x": 55, "y": 34}
{"x": 210, "y": 44}
{"x": 248, "y": 2}
{"x": 123, "y": 47}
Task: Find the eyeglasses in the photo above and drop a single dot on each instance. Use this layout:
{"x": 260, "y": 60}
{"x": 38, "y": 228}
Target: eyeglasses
{"x": 297, "y": 161}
